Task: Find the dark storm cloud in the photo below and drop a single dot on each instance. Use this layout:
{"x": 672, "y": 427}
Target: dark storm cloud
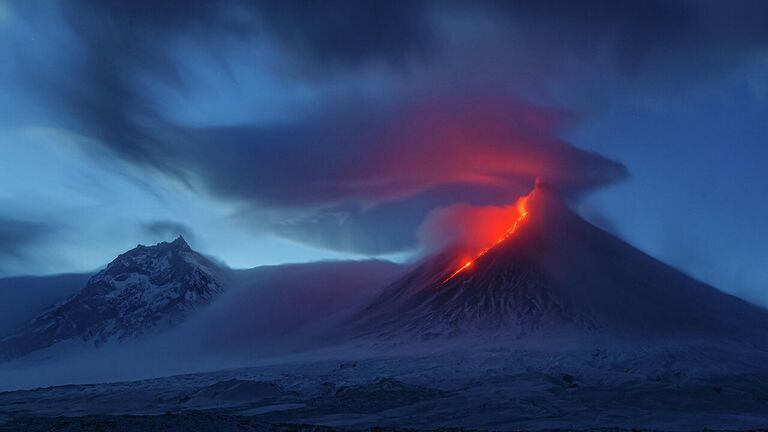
{"x": 124, "y": 44}
{"x": 164, "y": 230}
{"x": 653, "y": 40}
{"x": 18, "y": 236}
{"x": 349, "y": 33}
{"x": 363, "y": 179}
{"x": 372, "y": 155}
{"x": 343, "y": 177}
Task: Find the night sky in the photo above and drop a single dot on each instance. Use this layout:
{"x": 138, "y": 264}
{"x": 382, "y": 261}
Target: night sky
{"x": 272, "y": 132}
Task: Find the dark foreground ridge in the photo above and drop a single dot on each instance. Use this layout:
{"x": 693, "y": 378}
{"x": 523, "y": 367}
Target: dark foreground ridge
{"x": 203, "y": 421}
{"x": 512, "y": 390}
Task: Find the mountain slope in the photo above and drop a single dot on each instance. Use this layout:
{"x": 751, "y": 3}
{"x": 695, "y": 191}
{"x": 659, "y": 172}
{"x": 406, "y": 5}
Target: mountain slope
{"x": 141, "y": 291}
{"x": 24, "y": 297}
{"x": 557, "y": 271}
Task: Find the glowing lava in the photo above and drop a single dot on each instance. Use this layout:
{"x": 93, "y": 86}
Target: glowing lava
{"x": 523, "y": 213}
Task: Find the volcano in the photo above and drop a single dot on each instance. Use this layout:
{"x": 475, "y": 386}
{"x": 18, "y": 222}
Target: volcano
{"x": 554, "y": 271}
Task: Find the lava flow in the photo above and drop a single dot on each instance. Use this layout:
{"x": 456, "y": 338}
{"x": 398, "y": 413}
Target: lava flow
{"x": 523, "y": 213}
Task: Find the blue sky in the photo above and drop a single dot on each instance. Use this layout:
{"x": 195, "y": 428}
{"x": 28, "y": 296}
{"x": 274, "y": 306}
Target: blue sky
{"x": 271, "y": 132}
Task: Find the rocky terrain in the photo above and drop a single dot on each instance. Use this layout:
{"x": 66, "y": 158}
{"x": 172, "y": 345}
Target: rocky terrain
{"x": 514, "y": 388}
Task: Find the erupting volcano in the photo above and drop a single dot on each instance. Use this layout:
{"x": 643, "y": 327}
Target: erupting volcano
{"x": 523, "y": 213}
{"x": 552, "y": 270}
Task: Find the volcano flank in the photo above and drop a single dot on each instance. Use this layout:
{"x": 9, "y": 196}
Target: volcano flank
{"x": 554, "y": 271}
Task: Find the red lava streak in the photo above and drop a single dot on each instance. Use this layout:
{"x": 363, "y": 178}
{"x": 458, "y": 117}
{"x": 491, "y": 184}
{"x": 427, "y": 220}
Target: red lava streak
{"x": 523, "y": 213}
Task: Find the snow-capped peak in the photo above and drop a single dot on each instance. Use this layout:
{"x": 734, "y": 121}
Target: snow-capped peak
{"x": 144, "y": 290}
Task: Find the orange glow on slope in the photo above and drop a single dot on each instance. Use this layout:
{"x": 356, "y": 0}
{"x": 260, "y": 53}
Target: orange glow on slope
{"x": 469, "y": 263}
{"x": 522, "y": 214}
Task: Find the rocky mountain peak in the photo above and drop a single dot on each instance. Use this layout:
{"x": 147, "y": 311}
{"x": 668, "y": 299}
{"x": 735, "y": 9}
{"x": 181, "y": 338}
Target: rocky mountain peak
{"x": 144, "y": 290}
